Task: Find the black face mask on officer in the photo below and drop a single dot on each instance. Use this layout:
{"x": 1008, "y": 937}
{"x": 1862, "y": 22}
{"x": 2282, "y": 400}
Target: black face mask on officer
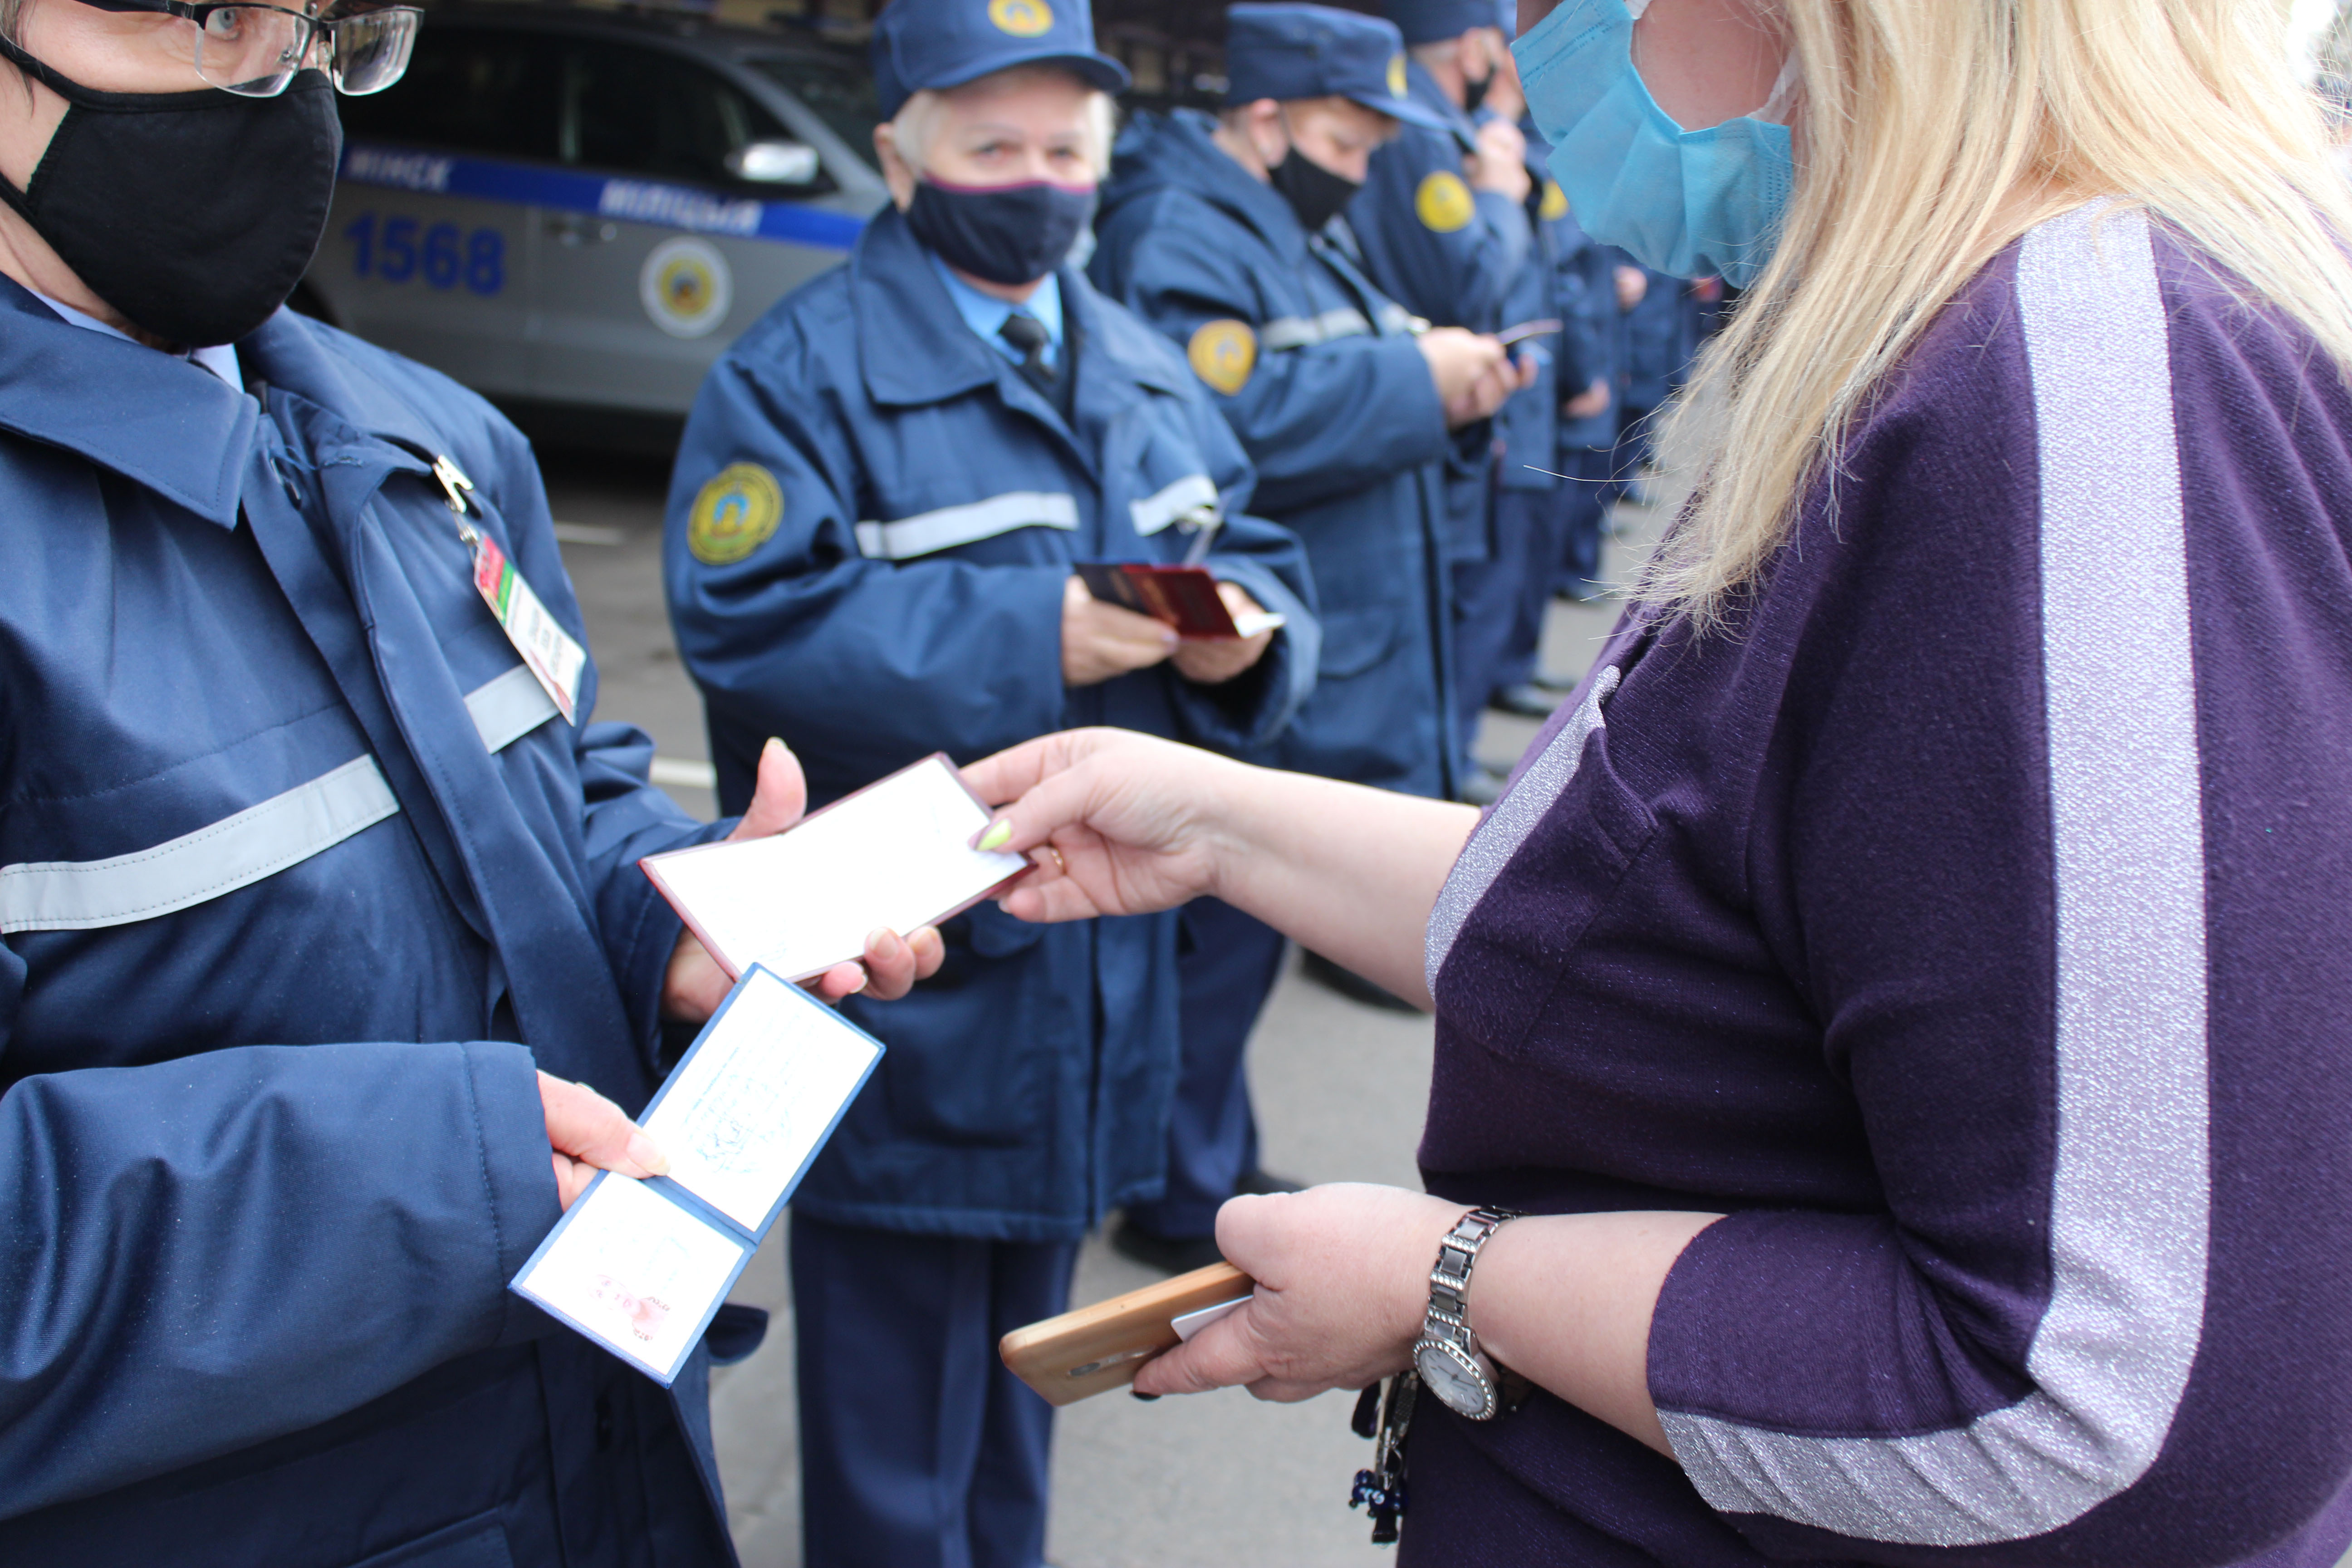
{"x": 1006, "y": 234}
{"x": 1316, "y": 193}
{"x": 193, "y": 213}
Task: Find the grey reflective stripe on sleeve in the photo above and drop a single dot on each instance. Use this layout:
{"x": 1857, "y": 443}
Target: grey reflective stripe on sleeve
{"x": 1305, "y": 331}
{"x": 1193, "y": 493}
{"x": 1495, "y": 840}
{"x": 2130, "y": 1193}
{"x": 257, "y": 842}
{"x": 508, "y": 707}
{"x": 927, "y": 532}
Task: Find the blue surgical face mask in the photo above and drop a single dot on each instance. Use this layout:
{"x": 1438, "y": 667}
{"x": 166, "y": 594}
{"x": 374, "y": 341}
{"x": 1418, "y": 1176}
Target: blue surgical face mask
{"x": 1684, "y": 202}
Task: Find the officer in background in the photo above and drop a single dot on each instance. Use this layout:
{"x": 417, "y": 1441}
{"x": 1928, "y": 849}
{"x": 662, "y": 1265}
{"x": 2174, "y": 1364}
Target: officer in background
{"x": 1545, "y": 507}
{"x": 1217, "y": 232}
{"x": 882, "y": 491}
{"x": 1588, "y": 420}
{"x": 1444, "y": 229}
{"x": 327, "y": 972}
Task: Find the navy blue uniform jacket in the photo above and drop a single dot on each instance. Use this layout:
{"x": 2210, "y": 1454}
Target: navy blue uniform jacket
{"x": 907, "y": 598}
{"x": 299, "y": 876}
{"x": 1338, "y": 413}
{"x": 1586, "y": 275}
{"x": 1450, "y": 254}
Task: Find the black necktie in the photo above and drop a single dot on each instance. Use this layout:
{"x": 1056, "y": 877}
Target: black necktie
{"x": 1027, "y": 334}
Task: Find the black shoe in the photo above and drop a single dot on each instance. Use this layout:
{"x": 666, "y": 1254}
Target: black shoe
{"x": 1485, "y": 787}
{"x": 1352, "y": 985}
{"x": 1256, "y": 1183}
{"x": 1168, "y": 1254}
{"x": 1527, "y": 699}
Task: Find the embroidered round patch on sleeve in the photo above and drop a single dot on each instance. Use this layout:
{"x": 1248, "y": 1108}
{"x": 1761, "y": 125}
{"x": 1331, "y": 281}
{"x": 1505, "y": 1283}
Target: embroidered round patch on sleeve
{"x": 1443, "y": 203}
{"x": 1554, "y": 206}
{"x": 1022, "y": 18}
{"x": 734, "y": 513}
{"x": 1223, "y": 353}
{"x": 1396, "y": 76}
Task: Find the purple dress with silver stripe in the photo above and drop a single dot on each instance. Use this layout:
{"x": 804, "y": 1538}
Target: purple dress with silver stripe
{"x": 1971, "y": 923}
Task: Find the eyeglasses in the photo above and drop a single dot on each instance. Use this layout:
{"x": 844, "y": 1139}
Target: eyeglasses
{"x": 255, "y": 50}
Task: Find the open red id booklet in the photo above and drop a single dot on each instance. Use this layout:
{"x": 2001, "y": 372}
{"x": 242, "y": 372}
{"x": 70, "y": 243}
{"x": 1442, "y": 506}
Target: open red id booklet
{"x": 896, "y": 854}
{"x": 1184, "y": 597}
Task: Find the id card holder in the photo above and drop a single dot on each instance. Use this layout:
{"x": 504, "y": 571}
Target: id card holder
{"x": 555, "y": 659}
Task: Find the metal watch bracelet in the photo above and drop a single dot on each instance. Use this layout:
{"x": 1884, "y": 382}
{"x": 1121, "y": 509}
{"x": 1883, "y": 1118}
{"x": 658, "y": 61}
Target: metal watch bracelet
{"x": 1447, "y": 1355}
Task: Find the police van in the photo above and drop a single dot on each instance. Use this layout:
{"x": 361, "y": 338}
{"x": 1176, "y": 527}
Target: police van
{"x": 581, "y": 209}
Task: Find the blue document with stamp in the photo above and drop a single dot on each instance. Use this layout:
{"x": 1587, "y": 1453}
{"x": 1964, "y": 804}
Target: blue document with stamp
{"x": 641, "y": 1266}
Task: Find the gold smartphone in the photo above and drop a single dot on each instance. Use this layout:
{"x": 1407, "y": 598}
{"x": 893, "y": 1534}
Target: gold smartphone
{"x": 1096, "y": 1349}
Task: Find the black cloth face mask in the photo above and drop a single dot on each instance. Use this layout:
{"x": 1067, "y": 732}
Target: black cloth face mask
{"x": 1006, "y": 234}
{"x": 1316, "y": 193}
{"x": 193, "y": 213}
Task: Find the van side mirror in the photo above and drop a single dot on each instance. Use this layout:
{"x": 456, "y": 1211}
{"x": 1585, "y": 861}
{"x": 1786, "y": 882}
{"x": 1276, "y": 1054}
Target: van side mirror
{"x": 774, "y": 163}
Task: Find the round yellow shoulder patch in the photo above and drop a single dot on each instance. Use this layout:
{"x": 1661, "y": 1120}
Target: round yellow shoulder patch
{"x": 734, "y": 514}
{"x": 1443, "y": 203}
{"x": 1022, "y": 18}
{"x": 1396, "y": 76}
{"x": 1554, "y": 206}
{"x": 1223, "y": 353}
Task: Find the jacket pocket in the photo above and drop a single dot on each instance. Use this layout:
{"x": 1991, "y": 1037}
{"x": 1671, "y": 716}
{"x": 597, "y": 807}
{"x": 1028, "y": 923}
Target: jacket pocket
{"x": 1518, "y": 940}
{"x": 1356, "y": 640}
{"x": 477, "y": 1542}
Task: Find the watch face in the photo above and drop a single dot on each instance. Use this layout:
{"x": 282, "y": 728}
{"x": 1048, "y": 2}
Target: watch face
{"x": 1450, "y": 1373}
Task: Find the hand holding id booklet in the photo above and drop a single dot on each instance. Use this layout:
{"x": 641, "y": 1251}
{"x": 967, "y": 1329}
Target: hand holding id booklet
{"x": 895, "y": 855}
{"x": 1184, "y": 597}
{"x": 641, "y": 1266}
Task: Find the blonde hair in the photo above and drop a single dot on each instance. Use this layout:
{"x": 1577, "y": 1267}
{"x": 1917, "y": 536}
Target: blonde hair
{"x": 918, "y": 119}
{"x": 1931, "y": 135}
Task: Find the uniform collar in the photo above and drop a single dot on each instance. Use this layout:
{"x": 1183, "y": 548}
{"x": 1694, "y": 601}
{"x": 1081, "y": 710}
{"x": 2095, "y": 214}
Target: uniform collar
{"x": 153, "y": 417}
{"x": 1233, "y": 187}
{"x": 986, "y": 314}
{"x": 912, "y": 343}
{"x": 1424, "y": 90}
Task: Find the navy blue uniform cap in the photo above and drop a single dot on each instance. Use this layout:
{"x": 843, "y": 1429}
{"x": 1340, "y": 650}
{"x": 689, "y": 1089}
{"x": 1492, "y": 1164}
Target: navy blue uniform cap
{"x": 1290, "y": 52}
{"x": 920, "y": 44}
{"x": 1427, "y": 21}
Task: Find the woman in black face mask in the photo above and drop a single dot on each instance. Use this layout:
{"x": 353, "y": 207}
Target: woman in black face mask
{"x": 937, "y": 440}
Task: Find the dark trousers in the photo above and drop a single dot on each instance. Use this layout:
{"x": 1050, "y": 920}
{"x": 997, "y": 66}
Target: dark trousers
{"x": 1582, "y": 513}
{"x": 918, "y": 1448}
{"x": 1485, "y": 604}
{"x": 1544, "y": 515}
{"x": 1226, "y": 966}
{"x": 1635, "y": 429}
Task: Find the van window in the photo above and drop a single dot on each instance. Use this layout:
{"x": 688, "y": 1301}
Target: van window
{"x": 468, "y": 91}
{"x": 841, "y": 95}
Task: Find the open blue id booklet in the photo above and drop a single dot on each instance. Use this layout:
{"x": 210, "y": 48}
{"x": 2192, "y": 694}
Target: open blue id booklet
{"x": 641, "y": 1266}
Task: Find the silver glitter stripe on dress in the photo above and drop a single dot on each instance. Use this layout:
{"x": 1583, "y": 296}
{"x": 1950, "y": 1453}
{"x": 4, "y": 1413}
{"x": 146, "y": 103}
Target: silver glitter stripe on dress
{"x": 1497, "y": 838}
{"x": 2130, "y": 1193}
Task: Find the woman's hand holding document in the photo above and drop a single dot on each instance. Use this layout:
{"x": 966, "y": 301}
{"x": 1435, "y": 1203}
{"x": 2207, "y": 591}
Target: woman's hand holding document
{"x": 832, "y": 890}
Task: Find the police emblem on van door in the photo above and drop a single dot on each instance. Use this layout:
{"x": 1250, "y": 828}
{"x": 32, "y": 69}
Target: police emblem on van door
{"x": 1555, "y": 203}
{"x": 1223, "y": 353}
{"x": 686, "y": 286}
{"x": 1022, "y": 18}
{"x": 1443, "y": 202}
{"x": 735, "y": 512}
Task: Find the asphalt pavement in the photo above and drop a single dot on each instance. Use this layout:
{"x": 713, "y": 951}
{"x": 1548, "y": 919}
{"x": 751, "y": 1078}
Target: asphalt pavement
{"x": 1214, "y": 1479}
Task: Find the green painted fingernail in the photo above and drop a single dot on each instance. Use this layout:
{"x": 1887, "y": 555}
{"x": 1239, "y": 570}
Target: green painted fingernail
{"x": 998, "y": 835}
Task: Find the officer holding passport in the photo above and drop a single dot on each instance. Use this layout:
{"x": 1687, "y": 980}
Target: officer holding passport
{"x": 886, "y": 490}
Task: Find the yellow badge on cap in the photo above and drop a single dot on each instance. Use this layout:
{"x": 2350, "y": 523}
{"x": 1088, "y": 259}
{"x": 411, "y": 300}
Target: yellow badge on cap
{"x": 1554, "y": 206}
{"x": 1396, "y": 76}
{"x": 734, "y": 514}
{"x": 1223, "y": 353}
{"x": 1443, "y": 202}
{"x": 1022, "y": 18}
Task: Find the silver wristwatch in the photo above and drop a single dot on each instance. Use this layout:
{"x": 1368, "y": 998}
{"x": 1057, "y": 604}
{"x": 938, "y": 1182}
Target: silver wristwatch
{"x": 1447, "y": 1355}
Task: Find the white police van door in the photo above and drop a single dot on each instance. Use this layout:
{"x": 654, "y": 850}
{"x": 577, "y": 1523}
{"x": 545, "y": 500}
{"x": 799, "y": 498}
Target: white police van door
{"x": 431, "y": 243}
{"x": 684, "y": 243}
